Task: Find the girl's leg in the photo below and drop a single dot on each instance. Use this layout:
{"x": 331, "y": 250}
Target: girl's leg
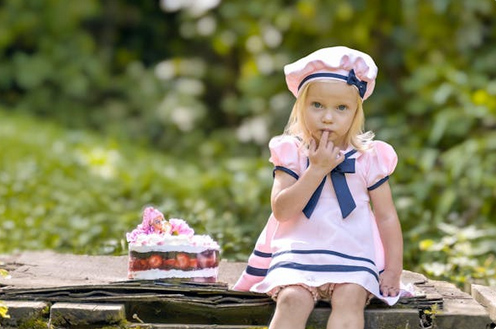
{"x": 294, "y": 305}
{"x": 348, "y": 303}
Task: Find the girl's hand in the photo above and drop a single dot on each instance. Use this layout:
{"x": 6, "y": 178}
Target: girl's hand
{"x": 389, "y": 283}
{"x": 325, "y": 156}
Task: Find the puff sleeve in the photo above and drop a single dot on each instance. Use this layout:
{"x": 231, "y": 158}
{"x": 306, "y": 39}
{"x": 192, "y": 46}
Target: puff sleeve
{"x": 382, "y": 161}
{"x": 284, "y": 154}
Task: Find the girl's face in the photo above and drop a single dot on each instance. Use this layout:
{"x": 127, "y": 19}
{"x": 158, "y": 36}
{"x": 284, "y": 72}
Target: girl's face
{"x": 330, "y": 106}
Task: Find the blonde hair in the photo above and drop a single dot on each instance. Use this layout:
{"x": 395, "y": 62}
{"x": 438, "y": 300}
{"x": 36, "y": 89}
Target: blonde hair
{"x": 356, "y": 136}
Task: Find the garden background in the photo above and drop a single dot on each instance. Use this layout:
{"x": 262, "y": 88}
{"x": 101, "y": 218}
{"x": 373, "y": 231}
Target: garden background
{"x": 108, "y": 106}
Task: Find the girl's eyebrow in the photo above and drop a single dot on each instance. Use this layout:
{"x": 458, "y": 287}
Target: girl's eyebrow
{"x": 319, "y": 98}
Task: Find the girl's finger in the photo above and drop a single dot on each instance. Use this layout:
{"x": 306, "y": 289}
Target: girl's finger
{"x": 313, "y": 145}
{"x": 324, "y": 138}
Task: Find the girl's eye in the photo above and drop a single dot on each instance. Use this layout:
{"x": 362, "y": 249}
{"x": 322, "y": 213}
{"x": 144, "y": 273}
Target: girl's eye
{"x": 317, "y": 105}
{"x": 342, "y": 107}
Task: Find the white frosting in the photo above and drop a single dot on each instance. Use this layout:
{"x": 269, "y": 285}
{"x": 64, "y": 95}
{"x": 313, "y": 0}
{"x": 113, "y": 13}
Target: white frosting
{"x": 160, "y": 274}
{"x": 161, "y": 242}
{"x": 179, "y": 248}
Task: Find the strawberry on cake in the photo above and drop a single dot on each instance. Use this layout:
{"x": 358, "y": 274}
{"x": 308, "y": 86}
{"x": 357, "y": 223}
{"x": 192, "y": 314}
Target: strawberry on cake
{"x": 161, "y": 249}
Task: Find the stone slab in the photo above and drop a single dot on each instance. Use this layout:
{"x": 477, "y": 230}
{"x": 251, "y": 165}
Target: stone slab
{"x": 486, "y": 296}
{"x": 43, "y": 269}
{"x": 23, "y": 311}
{"x": 38, "y": 269}
{"x": 460, "y": 310}
{"x": 80, "y": 314}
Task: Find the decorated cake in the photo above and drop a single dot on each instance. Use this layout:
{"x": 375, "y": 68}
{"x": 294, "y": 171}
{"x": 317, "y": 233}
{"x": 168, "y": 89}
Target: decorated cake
{"x": 163, "y": 249}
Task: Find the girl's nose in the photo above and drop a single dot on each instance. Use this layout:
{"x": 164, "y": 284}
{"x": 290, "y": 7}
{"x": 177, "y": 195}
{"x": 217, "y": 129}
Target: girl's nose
{"x": 327, "y": 116}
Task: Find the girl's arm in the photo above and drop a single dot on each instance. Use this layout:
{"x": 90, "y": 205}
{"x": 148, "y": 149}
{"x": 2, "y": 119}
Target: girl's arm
{"x": 290, "y": 196}
{"x": 391, "y": 236}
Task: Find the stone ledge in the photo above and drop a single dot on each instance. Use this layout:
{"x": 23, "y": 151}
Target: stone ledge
{"x": 79, "y": 314}
{"x": 460, "y": 310}
{"x": 374, "y": 318}
{"x": 486, "y": 296}
{"x": 23, "y": 311}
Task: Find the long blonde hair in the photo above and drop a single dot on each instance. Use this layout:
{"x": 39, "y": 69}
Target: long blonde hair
{"x": 356, "y": 136}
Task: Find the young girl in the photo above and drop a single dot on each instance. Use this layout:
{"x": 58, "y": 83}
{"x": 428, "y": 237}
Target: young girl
{"x": 334, "y": 233}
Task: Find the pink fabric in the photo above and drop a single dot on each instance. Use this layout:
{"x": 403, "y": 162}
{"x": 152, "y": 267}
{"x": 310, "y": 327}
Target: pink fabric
{"x": 339, "y": 60}
{"x": 285, "y": 152}
{"x": 382, "y": 163}
{"x": 343, "y": 250}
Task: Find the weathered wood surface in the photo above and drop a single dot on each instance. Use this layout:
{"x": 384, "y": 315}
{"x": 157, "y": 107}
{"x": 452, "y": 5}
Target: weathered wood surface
{"x": 62, "y": 278}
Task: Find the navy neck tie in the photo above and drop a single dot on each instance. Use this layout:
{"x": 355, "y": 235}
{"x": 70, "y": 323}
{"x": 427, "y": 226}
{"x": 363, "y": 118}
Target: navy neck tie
{"x": 343, "y": 194}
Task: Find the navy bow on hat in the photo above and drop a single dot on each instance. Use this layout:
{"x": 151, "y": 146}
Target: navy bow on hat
{"x": 361, "y": 85}
{"x": 343, "y": 194}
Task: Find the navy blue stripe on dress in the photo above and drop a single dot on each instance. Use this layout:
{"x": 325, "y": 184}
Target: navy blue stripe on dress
{"x": 324, "y": 251}
{"x": 379, "y": 183}
{"x": 286, "y": 170}
{"x": 255, "y": 271}
{"x": 324, "y": 268}
{"x": 262, "y": 254}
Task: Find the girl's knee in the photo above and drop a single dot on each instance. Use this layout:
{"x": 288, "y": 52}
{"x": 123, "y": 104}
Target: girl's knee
{"x": 295, "y": 297}
{"x": 349, "y": 296}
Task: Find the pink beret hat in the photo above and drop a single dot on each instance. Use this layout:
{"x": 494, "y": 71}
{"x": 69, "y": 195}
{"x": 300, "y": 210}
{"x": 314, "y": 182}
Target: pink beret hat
{"x": 354, "y": 67}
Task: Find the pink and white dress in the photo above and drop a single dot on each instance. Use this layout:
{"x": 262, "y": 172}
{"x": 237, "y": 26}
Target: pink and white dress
{"x": 334, "y": 240}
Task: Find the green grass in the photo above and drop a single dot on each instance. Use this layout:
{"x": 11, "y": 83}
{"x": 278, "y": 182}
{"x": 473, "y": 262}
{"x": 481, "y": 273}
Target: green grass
{"x": 74, "y": 191}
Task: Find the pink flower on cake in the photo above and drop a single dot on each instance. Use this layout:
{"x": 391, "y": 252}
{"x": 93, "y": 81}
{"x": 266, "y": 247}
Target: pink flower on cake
{"x": 154, "y": 229}
{"x": 180, "y": 227}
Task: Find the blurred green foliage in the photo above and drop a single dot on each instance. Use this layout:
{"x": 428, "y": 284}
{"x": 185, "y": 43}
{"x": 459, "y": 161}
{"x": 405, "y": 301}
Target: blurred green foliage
{"x": 72, "y": 191}
{"x": 197, "y": 88}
